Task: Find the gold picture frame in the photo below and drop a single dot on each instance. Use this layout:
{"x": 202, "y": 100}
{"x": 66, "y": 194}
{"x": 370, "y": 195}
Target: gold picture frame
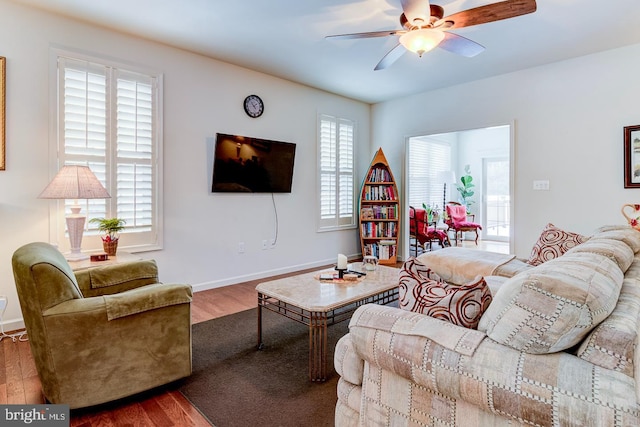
{"x": 3, "y": 68}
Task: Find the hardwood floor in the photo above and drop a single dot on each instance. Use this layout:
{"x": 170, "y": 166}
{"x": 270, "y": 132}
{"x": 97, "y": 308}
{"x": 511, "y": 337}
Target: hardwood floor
{"x": 19, "y": 383}
{"x": 163, "y": 407}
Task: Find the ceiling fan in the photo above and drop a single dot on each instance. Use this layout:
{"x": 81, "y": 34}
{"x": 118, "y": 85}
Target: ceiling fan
{"x": 425, "y": 27}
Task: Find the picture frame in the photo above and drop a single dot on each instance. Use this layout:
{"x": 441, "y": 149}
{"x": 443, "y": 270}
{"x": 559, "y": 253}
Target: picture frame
{"x": 632, "y": 156}
{"x": 3, "y": 68}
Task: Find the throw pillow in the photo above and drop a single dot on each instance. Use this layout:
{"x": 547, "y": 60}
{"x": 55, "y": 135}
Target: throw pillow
{"x": 422, "y": 291}
{"x": 553, "y": 243}
{"x": 553, "y": 306}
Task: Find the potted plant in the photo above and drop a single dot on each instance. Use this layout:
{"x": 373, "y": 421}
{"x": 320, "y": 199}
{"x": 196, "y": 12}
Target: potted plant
{"x": 433, "y": 213}
{"x": 110, "y": 227}
{"x": 466, "y": 189}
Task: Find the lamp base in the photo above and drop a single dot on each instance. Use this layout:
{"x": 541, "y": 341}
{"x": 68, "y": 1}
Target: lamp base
{"x": 75, "y": 227}
{"x": 75, "y": 256}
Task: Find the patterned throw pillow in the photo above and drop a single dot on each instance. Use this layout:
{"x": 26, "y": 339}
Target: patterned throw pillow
{"x": 553, "y": 243}
{"x": 422, "y": 291}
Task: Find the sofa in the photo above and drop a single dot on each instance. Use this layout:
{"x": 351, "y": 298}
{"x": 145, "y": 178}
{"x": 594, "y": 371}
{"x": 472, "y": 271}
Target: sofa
{"x": 104, "y": 333}
{"x": 556, "y": 346}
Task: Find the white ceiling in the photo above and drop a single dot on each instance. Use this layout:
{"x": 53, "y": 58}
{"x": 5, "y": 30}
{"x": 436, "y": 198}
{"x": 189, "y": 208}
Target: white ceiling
{"x": 285, "y": 38}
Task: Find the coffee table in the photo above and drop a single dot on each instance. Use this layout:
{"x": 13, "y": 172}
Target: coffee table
{"x": 318, "y": 304}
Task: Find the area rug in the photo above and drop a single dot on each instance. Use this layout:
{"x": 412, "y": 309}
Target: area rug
{"x": 233, "y": 384}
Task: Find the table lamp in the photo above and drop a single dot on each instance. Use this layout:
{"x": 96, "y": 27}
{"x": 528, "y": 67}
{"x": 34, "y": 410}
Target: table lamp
{"x": 75, "y": 182}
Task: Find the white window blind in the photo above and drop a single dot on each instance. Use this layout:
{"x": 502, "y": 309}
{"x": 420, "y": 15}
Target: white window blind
{"x": 336, "y": 169}
{"x": 426, "y": 160}
{"x": 109, "y": 119}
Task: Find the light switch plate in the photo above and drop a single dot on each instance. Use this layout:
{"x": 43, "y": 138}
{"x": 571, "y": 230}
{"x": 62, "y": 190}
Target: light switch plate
{"x": 541, "y": 185}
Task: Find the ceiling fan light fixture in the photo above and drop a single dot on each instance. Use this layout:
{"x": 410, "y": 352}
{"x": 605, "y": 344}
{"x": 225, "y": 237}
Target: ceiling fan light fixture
{"x": 421, "y": 40}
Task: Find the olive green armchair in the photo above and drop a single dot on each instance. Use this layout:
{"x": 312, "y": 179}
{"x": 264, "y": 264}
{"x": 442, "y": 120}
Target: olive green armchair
{"x": 103, "y": 333}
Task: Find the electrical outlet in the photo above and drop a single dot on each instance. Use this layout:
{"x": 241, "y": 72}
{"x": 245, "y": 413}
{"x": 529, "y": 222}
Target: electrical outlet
{"x": 265, "y": 245}
{"x": 3, "y": 303}
{"x": 273, "y": 244}
{"x": 241, "y": 247}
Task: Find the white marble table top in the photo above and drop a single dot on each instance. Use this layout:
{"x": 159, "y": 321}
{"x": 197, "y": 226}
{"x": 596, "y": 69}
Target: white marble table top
{"x": 306, "y": 292}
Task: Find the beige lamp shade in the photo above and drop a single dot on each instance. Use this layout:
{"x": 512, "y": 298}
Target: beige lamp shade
{"x": 74, "y": 182}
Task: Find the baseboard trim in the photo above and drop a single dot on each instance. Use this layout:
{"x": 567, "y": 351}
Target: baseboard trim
{"x": 263, "y": 274}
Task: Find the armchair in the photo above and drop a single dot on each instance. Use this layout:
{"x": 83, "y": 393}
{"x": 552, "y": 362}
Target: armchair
{"x": 421, "y": 233}
{"x": 458, "y": 221}
{"x": 108, "y": 333}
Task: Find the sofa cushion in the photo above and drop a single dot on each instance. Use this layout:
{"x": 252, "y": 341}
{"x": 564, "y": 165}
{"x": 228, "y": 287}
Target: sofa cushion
{"x": 617, "y": 250}
{"x": 553, "y": 243}
{"x": 612, "y": 344}
{"x": 422, "y": 291}
{"x": 554, "y": 306}
{"x": 624, "y": 234}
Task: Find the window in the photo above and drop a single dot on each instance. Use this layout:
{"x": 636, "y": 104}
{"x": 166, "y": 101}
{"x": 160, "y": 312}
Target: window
{"x": 335, "y": 169}
{"x": 426, "y": 160}
{"x": 108, "y": 118}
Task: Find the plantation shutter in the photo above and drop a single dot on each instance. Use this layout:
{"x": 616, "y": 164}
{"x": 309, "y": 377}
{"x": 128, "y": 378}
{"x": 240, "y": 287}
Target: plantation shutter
{"x": 108, "y": 120}
{"x": 135, "y": 150}
{"x": 84, "y": 124}
{"x": 336, "y": 172}
{"x": 426, "y": 160}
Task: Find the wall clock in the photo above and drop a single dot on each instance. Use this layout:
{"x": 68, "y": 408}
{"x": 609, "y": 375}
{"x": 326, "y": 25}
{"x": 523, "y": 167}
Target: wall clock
{"x": 253, "y": 106}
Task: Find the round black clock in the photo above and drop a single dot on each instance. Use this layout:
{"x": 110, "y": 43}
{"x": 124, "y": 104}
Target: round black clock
{"x": 253, "y": 106}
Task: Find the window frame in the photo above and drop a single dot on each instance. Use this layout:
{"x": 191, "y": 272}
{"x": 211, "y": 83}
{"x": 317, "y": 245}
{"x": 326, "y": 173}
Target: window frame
{"x": 337, "y": 222}
{"x": 134, "y": 241}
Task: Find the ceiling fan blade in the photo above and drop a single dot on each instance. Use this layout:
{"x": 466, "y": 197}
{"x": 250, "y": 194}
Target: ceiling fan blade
{"x": 491, "y": 12}
{"x": 392, "y": 56}
{"x": 460, "y": 45}
{"x": 416, "y": 9}
{"x": 367, "y": 35}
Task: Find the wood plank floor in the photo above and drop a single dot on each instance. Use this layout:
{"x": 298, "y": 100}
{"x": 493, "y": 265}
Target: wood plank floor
{"x": 19, "y": 383}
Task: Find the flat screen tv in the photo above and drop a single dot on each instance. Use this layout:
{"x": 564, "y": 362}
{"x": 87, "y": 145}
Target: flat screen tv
{"x": 252, "y": 165}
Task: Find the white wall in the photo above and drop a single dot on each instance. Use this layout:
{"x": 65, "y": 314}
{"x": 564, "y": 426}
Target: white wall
{"x": 201, "y": 97}
{"x": 569, "y": 118}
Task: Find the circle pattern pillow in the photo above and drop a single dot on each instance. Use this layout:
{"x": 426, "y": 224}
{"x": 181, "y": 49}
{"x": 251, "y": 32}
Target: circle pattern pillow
{"x": 422, "y": 291}
{"x": 553, "y": 243}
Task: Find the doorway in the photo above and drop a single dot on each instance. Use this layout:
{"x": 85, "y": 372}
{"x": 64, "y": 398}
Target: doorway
{"x": 496, "y": 221}
{"x": 488, "y": 153}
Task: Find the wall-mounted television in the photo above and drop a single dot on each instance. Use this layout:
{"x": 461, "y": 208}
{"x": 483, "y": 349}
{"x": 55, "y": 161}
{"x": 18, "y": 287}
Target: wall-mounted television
{"x": 252, "y": 165}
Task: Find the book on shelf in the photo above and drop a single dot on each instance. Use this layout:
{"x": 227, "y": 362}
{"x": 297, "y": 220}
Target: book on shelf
{"x": 379, "y": 174}
{"x": 380, "y": 193}
{"x": 367, "y": 212}
{"x": 378, "y": 229}
{"x": 383, "y": 250}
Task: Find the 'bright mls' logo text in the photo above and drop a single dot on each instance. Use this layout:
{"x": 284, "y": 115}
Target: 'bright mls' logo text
{"x": 38, "y": 415}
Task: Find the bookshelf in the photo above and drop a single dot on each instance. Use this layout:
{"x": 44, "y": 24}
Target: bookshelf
{"x": 379, "y": 212}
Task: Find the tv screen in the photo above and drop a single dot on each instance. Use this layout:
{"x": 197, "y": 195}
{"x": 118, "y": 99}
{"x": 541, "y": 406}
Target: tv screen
{"x": 252, "y": 165}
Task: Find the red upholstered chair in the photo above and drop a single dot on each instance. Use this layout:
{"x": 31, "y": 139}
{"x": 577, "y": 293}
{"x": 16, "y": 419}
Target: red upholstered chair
{"x": 458, "y": 221}
{"x": 420, "y": 232}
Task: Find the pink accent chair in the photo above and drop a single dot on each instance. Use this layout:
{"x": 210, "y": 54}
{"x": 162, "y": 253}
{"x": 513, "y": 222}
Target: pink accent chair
{"x": 458, "y": 221}
{"x": 420, "y": 232}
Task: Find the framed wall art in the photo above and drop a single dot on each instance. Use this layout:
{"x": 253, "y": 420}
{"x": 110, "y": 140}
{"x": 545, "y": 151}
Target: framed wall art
{"x": 3, "y": 86}
{"x": 632, "y": 156}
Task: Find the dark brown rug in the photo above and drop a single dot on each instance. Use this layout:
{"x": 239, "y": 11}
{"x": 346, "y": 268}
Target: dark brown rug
{"x": 233, "y": 384}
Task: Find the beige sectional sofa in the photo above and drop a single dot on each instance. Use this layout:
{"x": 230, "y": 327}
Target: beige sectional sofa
{"x": 557, "y": 346}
